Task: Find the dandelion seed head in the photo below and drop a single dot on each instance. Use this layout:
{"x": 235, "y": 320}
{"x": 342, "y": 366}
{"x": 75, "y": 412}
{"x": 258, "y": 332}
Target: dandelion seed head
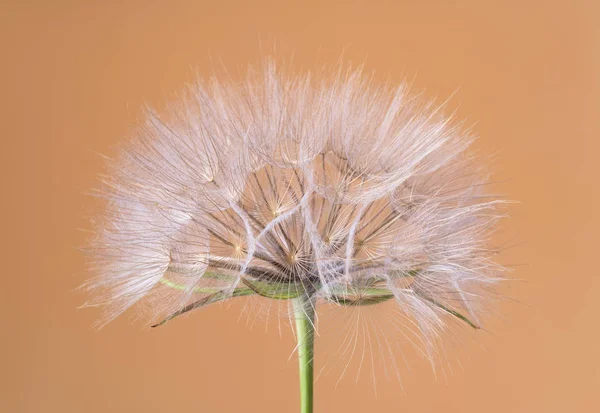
{"x": 355, "y": 191}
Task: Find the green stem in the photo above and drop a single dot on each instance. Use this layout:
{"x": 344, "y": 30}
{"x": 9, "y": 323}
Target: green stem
{"x": 304, "y": 313}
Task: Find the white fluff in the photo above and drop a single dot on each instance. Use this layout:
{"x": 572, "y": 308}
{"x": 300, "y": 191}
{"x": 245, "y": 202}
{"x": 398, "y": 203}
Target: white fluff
{"x": 348, "y": 188}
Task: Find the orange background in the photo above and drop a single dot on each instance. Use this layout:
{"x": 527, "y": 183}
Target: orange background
{"x": 75, "y": 76}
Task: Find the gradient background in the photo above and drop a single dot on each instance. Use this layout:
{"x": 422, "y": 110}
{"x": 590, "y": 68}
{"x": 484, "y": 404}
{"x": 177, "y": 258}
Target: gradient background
{"x": 75, "y": 76}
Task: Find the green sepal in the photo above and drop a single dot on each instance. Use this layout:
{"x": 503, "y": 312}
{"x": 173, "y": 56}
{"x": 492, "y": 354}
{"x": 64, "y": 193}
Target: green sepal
{"x": 367, "y": 296}
{"x": 275, "y": 290}
{"x": 449, "y": 310}
{"x": 215, "y": 297}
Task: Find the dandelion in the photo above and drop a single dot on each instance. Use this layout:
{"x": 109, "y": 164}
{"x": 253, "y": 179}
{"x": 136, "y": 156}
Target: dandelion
{"x": 293, "y": 187}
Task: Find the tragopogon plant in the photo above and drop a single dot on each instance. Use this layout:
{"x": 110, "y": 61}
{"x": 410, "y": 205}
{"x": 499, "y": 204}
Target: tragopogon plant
{"x": 297, "y": 188}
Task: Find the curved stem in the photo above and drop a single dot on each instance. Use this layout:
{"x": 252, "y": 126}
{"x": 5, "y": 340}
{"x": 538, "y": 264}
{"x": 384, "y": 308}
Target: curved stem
{"x": 304, "y": 313}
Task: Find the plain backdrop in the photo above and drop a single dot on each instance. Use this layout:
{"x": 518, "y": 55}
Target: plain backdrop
{"x": 75, "y": 76}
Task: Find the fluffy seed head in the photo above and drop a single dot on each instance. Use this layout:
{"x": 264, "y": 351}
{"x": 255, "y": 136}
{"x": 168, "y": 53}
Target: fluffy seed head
{"x": 280, "y": 184}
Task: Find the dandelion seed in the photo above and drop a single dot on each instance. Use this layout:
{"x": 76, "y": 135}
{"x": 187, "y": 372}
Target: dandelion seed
{"x": 296, "y": 188}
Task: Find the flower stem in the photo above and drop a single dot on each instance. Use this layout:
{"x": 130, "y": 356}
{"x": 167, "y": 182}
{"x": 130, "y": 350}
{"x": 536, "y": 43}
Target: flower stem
{"x": 304, "y": 313}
